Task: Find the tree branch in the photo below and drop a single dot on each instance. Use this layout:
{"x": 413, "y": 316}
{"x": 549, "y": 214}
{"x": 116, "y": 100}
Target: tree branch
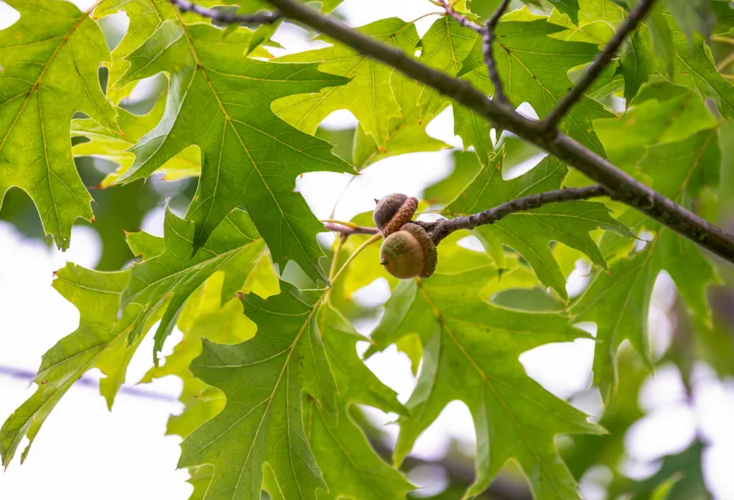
{"x": 487, "y": 33}
{"x": 442, "y": 228}
{"x": 602, "y": 60}
{"x": 225, "y": 17}
{"x": 622, "y": 186}
{"x": 487, "y": 42}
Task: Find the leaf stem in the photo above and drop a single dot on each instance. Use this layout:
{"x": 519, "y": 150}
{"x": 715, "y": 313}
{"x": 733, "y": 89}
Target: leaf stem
{"x": 354, "y": 255}
{"x": 723, "y": 39}
{"x": 339, "y": 244}
{"x": 725, "y": 62}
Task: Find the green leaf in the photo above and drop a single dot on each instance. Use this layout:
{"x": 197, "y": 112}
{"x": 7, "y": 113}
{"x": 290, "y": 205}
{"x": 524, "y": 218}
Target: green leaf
{"x": 93, "y": 345}
{"x": 662, "y": 38}
{"x": 485, "y": 8}
{"x": 684, "y": 61}
{"x": 598, "y": 21}
{"x": 681, "y": 475}
{"x": 264, "y": 423}
{"x": 205, "y": 316}
{"x": 145, "y": 16}
{"x": 724, "y": 17}
{"x": 145, "y": 245}
{"x": 661, "y": 113}
{"x": 113, "y": 145}
{"x": 662, "y": 492}
{"x": 350, "y": 465}
{"x": 471, "y": 351}
{"x": 49, "y": 71}
{"x": 651, "y": 142}
{"x": 619, "y": 301}
{"x": 693, "y": 16}
{"x": 444, "y": 47}
{"x": 534, "y": 68}
{"x": 638, "y": 65}
{"x": 466, "y": 168}
{"x": 165, "y": 281}
{"x": 568, "y": 7}
{"x": 530, "y": 232}
{"x": 694, "y": 68}
{"x": 364, "y": 95}
{"x": 220, "y": 101}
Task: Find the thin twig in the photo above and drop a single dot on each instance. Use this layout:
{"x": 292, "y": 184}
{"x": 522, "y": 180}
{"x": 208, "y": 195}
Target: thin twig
{"x": 602, "y": 61}
{"x": 462, "y": 20}
{"x": 488, "y": 36}
{"x": 443, "y": 227}
{"x": 361, "y": 247}
{"x": 623, "y": 187}
{"x": 487, "y": 33}
{"x": 722, "y": 39}
{"x": 350, "y": 229}
{"x": 725, "y": 62}
{"x": 226, "y": 17}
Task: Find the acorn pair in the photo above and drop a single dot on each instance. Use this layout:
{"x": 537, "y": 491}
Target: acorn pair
{"x": 408, "y": 250}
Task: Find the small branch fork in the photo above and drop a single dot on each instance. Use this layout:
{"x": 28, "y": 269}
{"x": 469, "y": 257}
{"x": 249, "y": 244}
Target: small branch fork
{"x": 487, "y": 34}
{"x": 440, "y": 229}
{"x": 617, "y": 183}
{"x": 225, "y": 17}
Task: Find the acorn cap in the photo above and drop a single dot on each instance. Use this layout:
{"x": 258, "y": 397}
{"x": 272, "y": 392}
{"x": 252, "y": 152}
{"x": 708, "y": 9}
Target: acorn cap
{"x": 393, "y": 211}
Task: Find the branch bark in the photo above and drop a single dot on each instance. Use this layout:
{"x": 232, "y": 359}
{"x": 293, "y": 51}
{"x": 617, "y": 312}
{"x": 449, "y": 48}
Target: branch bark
{"x": 442, "y": 228}
{"x": 487, "y": 47}
{"x": 226, "y": 17}
{"x": 620, "y": 185}
{"x": 488, "y": 35}
{"x": 602, "y": 61}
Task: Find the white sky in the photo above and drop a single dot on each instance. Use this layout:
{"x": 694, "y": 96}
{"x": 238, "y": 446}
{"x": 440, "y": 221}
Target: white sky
{"x": 86, "y": 452}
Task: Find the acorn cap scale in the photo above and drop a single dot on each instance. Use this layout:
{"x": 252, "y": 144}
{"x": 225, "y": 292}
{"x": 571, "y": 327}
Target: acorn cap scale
{"x": 393, "y": 211}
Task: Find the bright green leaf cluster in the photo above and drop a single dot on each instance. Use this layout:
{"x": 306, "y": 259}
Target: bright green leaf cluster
{"x": 269, "y": 362}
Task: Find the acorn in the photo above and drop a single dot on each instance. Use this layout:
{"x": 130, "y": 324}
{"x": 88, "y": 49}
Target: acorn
{"x": 409, "y": 252}
{"x": 393, "y": 211}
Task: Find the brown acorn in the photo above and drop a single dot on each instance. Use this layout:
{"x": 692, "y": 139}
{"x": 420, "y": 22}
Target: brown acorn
{"x": 393, "y": 211}
{"x": 409, "y": 252}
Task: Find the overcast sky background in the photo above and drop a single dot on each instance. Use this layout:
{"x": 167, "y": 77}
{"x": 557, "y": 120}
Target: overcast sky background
{"x": 85, "y": 452}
